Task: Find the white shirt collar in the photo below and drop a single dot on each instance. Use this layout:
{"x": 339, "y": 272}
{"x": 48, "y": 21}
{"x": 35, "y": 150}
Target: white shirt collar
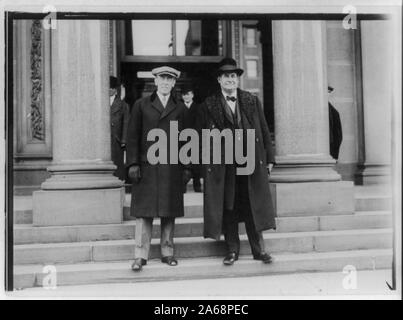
{"x": 161, "y": 97}
{"x": 111, "y": 99}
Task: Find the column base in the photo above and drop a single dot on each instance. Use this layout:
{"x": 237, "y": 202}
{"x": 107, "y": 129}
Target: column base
{"x": 313, "y": 198}
{"x": 76, "y": 207}
{"x": 79, "y": 193}
{"x": 372, "y": 174}
{"x": 304, "y": 169}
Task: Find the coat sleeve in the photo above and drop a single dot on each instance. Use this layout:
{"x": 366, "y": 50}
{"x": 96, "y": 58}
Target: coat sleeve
{"x": 126, "y": 116}
{"x": 266, "y": 133}
{"x": 133, "y": 138}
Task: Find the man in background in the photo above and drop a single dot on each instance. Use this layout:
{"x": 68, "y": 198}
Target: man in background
{"x": 119, "y": 119}
{"x": 335, "y": 128}
{"x": 187, "y": 92}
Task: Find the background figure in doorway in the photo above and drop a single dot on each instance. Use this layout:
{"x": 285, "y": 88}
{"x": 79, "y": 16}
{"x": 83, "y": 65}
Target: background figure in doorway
{"x": 119, "y": 121}
{"x": 187, "y": 92}
{"x": 335, "y": 129}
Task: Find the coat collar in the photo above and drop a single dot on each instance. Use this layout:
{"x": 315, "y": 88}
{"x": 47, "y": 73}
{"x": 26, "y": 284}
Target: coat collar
{"x": 156, "y": 103}
{"x": 246, "y": 102}
{"x": 116, "y": 104}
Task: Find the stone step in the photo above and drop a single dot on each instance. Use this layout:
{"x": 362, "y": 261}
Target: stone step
{"x": 373, "y": 203}
{"x": 202, "y": 268}
{"x": 193, "y": 227}
{"x": 191, "y": 247}
{"x": 194, "y": 206}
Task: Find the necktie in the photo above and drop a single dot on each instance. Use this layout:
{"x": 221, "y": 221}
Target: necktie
{"x": 233, "y": 99}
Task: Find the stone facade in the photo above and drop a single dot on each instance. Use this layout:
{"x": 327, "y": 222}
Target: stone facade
{"x": 72, "y": 152}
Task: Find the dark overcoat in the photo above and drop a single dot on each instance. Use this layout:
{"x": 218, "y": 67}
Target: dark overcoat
{"x": 191, "y": 121}
{"x": 119, "y": 121}
{"x": 335, "y": 132}
{"x": 211, "y": 116}
{"x": 159, "y": 191}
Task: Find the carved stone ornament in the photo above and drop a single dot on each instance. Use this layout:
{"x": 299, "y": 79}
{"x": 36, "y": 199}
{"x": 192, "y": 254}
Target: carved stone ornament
{"x": 36, "y": 116}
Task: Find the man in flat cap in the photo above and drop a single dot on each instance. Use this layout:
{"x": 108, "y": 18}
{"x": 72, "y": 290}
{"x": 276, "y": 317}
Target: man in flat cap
{"x": 230, "y": 198}
{"x": 157, "y": 188}
{"x": 119, "y": 119}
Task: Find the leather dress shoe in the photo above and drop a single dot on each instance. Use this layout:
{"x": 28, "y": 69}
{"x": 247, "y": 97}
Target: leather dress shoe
{"x": 138, "y": 264}
{"x": 230, "y": 259}
{"x": 171, "y": 261}
{"x": 264, "y": 257}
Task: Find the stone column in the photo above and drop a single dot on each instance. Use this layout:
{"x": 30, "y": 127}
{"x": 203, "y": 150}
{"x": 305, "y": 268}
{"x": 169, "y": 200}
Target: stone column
{"x": 376, "y": 50}
{"x": 82, "y": 188}
{"x": 304, "y": 180}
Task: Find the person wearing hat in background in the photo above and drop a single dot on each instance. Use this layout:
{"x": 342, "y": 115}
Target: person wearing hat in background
{"x": 230, "y": 198}
{"x": 157, "y": 188}
{"x": 187, "y": 92}
{"x": 335, "y": 128}
{"x": 119, "y": 119}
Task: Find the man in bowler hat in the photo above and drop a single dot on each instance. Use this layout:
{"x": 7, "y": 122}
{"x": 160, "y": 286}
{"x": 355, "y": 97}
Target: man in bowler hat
{"x": 230, "y": 198}
{"x": 157, "y": 188}
{"x": 119, "y": 120}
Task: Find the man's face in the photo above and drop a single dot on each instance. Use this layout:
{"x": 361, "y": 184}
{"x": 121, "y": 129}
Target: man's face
{"x": 188, "y": 97}
{"x": 164, "y": 83}
{"x": 112, "y": 92}
{"x": 228, "y": 81}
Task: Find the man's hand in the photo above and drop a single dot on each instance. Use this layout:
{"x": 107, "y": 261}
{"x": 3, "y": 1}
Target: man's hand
{"x": 135, "y": 173}
{"x": 187, "y": 175}
{"x": 270, "y": 167}
{"x": 123, "y": 145}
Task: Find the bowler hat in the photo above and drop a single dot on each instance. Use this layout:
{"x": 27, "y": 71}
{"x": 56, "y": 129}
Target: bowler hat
{"x": 113, "y": 82}
{"x": 166, "y": 70}
{"x": 228, "y": 65}
{"x": 186, "y": 88}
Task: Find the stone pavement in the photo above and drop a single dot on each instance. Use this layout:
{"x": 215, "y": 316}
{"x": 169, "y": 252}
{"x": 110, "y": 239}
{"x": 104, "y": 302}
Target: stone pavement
{"x": 323, "y": 285}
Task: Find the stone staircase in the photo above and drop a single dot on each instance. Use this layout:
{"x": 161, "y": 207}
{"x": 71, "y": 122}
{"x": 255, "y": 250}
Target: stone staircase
{"x": 86, "y": 254}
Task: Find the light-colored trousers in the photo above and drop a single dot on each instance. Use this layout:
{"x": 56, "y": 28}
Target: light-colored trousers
{"x": 143, "y": 235}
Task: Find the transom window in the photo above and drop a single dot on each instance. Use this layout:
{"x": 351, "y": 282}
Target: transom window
{"x": 174, "y": 38}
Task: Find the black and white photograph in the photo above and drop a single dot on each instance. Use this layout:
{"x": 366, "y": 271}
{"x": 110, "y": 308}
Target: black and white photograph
{"x": 215, "y": 150}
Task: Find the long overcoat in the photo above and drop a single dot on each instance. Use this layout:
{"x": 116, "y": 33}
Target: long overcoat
{"x": 119, "y": 121}
{"x": 159, "y": 191}
{"x": 211, "y": 116}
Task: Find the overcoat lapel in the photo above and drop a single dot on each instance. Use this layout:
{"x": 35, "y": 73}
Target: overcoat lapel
{"x": 156, "y": 103}
{"x": 216, "y": 110}
{"x": 245, "y": 104}
{"x": 171, "y": 105}
{"x": 115, "y": 105}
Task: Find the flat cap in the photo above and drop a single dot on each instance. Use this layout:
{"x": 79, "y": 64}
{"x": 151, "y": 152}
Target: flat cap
{"x": 166, "y": 70}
